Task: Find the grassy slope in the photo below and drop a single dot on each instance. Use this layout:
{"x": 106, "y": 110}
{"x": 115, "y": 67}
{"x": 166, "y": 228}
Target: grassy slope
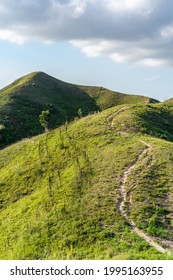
{"x": 22, "y": 102}
{"x": 169, "y": 102}
{"x": 106, "y": 98}
{"x": 156, "y": 120}
{"x": 58, "y": 197}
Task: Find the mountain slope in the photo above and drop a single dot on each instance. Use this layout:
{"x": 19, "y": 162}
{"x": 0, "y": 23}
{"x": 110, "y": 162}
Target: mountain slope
{"x": 60, "y": 193}
{"x": 22, "y": 102}
{"x": 169, "y": 102}
{"x": 106, "y": 98}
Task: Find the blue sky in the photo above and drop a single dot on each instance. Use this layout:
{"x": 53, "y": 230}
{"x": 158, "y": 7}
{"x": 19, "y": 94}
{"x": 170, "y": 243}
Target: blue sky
{"x": 124, "y": 45}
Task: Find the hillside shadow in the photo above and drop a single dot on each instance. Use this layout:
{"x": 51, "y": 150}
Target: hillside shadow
{"x": 157, "y": 122}
{"x": 20, "y": 115}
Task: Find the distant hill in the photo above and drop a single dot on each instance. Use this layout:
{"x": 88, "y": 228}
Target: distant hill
{"x": 169, "y": 102}
{"x": 106, "y": 98}
{"x": 88, "y": 189}
{"x": 22, "y": 102}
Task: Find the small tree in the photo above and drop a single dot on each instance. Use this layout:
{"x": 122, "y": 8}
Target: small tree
{"x": 79, "y": 112}
{"x": 2, "y": 127}
{"x": 44, "y": 119}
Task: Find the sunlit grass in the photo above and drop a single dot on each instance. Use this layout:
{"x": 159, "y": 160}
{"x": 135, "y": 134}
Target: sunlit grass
{"x": 59, "y": 200}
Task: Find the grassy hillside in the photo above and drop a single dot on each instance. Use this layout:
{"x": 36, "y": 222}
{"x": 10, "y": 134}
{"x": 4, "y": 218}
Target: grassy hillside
{"x": 106, "y": 98}
{"x": 59, "y": 193}
{"x": 169, "y": 102}
{"x": 155, "y": 120}
{"x": 22, "y": 102}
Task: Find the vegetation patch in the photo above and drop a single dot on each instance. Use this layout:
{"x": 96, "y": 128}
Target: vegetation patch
{"x": 59, "y": 191}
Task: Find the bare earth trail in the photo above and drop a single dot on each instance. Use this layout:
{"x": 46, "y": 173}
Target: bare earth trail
{"x": 121, "y": 204}
{"x": 124, "y": 199}
{"x": 111, "y": 121}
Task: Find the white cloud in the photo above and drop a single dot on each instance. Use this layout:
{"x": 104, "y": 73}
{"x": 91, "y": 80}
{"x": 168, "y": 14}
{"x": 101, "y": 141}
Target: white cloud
{"x": 121, "y": 51}
{"x": 94, "y": 47}
{"x": 143, "y": 7}
{"x": 152, "y": 62}
{"x": 139, "y": 31}
{"x": 11, "y": 36}
{"x": 119, "y": 58}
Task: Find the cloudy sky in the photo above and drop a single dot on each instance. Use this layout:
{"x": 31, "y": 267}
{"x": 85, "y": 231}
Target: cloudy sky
{"x": 124, "y": 45}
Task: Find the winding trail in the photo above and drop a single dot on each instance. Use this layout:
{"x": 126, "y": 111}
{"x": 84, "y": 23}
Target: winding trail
{"x": 123, "y": 200}
{"x": 111, "y": 116}
{"x": 121, "y": 206}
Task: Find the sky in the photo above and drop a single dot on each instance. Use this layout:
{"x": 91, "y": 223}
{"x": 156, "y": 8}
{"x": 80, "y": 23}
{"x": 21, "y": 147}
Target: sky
{"x": 123, "y": 45}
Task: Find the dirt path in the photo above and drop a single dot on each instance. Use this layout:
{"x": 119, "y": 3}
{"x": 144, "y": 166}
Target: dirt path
{"x": 123, "y": 201}
{"x": 111, "y": 117}
{"x": 165, "y": 245}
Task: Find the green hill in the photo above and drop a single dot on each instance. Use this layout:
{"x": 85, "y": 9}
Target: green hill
{"x": 106, "y": 98}
{"x": 155, "y": 120}
{"x": 62, "y": 193}
{"x": 22, "y": 102}
{"x": 169, "y": 102}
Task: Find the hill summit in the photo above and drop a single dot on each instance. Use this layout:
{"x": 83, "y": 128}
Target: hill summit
{"x": 97, "y": 187}
{"x": 22, "y": 102}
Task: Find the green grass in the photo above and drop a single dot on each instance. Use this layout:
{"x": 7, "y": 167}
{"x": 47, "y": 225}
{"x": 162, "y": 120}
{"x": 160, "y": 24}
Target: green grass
{"x": 22, "y": 102}
{"x": 150, "y": 190}
{"x": 169, "y": 102}
{"x": 59, "y": 193}
{"x": 106, "y": 98}
{"x": 156, "y": 120}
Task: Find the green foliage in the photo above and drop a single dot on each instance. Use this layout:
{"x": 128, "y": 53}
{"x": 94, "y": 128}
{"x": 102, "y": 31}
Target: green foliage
{"x": 79, "y": 112}
{"x": 2, "y": 127}
{"x": 156, "y": 120}
{"x": 106, "y": 98}
{"x": 59, "y": 191}
{"x": 22, "y": 101}
{"x": 64, "y": 206}
{"x": 44, "y": 119}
